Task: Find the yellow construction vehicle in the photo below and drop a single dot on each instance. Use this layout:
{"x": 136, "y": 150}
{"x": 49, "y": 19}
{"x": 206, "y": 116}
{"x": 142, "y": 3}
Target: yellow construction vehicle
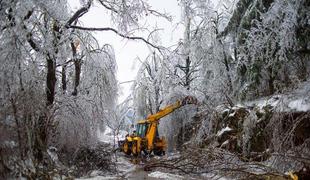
{"x": 146, "y": 138}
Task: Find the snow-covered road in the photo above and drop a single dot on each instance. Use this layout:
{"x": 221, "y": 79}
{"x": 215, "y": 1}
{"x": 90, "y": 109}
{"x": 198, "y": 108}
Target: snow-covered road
{"x": 129, "y": 170}
{"x": 126, "y": 168}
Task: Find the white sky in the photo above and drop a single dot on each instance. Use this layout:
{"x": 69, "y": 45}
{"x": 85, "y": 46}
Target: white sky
{"x": 126, "y": 51}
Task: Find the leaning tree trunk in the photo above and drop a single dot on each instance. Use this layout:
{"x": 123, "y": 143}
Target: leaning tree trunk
{"x": 43, "y": 126}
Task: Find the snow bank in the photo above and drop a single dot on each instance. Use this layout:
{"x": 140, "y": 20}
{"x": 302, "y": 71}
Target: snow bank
{"x": 299, "y": 105}
{"x": 266, "y": 101}
{"x": 284, "y": 103}
{"x": 167, "y": 176}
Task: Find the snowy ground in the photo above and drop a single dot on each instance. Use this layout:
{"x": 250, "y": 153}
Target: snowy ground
{"x": 127, "y": 169}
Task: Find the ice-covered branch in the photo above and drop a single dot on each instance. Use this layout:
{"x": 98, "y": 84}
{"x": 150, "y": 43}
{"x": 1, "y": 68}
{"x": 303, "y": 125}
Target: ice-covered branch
{"x": 116, "y": 32}
{"x": 79, "y": 13}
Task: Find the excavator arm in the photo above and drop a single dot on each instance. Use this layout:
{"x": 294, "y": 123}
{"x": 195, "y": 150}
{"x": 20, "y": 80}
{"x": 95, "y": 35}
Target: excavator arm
{"x": 170, "y": 108}
{"x": 164, "y": 112}
{"x": 154, "y": 118}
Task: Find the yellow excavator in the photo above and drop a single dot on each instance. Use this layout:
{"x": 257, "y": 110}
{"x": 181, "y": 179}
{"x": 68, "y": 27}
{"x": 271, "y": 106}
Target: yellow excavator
{"x": 146, "y": 138}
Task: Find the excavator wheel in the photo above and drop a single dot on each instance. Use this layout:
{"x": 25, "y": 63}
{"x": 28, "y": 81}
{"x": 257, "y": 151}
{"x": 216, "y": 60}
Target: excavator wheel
{"x": 127, "y": 148}
{"x": 134, "y": 148}
{"x": 145, "y": 153}
{"x": 158, "y": 152}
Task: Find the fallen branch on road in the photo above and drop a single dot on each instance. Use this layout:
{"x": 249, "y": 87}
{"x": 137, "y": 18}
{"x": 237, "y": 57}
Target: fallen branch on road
{"x": 197, "y": 161}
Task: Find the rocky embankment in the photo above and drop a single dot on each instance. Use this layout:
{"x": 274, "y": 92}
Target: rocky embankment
{"x": 268, "y": 137}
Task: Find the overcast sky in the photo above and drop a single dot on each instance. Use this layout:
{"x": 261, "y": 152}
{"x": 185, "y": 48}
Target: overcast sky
{"x": 127, "y": 51}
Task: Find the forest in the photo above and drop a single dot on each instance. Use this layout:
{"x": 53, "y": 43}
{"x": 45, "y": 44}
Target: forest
{"x": 241, "y": 69}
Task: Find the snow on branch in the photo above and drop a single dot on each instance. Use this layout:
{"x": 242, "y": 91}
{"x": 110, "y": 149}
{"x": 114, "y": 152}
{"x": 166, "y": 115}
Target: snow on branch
{"x": 116, "y": 32}
{"x": 79, "y": 13}
{"x": 108, "y": 7}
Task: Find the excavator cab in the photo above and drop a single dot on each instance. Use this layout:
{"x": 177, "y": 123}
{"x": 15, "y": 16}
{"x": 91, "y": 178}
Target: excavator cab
{"x": 142, "y": 129}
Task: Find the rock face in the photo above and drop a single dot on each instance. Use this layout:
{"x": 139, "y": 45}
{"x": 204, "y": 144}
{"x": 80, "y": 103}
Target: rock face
{"x": 259, "y": 130}
{"x": 189, "y": 130}
{"x": 255, "y": 131}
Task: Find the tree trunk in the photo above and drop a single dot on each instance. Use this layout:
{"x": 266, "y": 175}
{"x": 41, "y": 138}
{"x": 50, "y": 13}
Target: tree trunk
{"x": 187, "y": 73}
{"x": 40, "y": 141}
{"x": 77, "y": 66}
{"x": 51, "y": 66}
{"x": 187, "y": 43}
{"x": 156, "y": 86}
{"x": 64, "y": 78}
{"x": 42, "y": 123}
{"x": 50, "y": 80}
{"x": 270, "y": 81}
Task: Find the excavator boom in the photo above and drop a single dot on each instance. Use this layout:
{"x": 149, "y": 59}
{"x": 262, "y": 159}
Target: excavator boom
{"x": 164, "y": 112}
{"x": 170, "y": 108}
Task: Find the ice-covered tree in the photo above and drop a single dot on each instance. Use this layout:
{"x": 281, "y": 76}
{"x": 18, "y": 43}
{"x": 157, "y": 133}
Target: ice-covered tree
{"x": 267, "y": 58}
{"x": 32, "y": 45}
{"x": 57, "y": 83}
{"x": 148, "y": 87}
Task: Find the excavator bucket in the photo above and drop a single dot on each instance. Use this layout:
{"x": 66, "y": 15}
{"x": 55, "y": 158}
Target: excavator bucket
{"x": 189, "y": 100}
